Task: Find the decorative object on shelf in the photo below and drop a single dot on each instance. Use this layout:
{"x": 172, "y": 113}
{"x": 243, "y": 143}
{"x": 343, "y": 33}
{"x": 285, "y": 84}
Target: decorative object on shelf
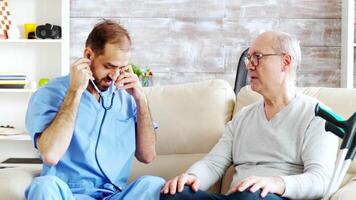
{"x": 48, "y": 31}
{"x": 7, "y": 126}
{"x": 14, "y": 32}
{"x": 12, "y": 81}
{"x": 42, "y": 82}
{"x": 5, "y": 21}
{"x": 10, "y": 130}
{"x": 146, "y": 77}
{"x": 29, "y": 30}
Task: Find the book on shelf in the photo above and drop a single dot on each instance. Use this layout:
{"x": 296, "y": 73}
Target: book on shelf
{"x": 12, "y": 81}
{"x": 12, "y": 77}
{"x": 13, "y": 86}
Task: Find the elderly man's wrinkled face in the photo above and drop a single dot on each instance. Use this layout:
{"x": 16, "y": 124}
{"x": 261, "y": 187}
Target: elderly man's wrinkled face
{"x": 265, "y": 66}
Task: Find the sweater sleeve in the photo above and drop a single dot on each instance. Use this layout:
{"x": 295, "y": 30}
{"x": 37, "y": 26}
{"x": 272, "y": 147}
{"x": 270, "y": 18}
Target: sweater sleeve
{"x": 212, "y": 167}
{"x": 318, "y": 154}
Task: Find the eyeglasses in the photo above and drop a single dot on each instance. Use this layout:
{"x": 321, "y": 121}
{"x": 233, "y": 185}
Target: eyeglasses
{"x": 254, "y": 59}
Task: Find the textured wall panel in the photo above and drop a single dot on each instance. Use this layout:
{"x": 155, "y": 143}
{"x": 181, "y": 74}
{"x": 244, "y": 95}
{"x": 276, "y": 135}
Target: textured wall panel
{"x": 314, "y": 32}
{"x": 189, "y": 40}
{"x": 148, "y": 8}
{"x": 311, "y": 9}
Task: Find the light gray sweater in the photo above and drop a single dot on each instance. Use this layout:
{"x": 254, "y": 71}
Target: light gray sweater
{"x": 292, "y": 145}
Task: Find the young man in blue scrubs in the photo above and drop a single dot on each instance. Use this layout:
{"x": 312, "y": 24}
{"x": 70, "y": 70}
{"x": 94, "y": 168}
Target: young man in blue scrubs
{"x": 89, "y": 125}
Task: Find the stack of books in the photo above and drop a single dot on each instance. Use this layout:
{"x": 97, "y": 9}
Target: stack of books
{"x": 12, "y": 81}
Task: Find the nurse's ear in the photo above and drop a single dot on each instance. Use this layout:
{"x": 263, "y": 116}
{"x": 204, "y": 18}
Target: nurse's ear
{"x": 88, "y": 53}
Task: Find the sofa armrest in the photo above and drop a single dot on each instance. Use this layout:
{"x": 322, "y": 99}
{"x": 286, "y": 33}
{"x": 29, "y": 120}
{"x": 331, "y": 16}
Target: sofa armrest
{"x": 346, "y": 192}
{"x": 14, "y": 181}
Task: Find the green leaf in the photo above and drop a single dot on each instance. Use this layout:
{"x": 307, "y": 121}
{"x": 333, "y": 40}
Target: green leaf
{"x": 136, "y": 69}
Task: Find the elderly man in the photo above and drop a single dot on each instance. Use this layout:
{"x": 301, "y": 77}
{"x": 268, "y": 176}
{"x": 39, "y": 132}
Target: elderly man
{"x": 90, "y": 124}
{"x": 278, "y": 147}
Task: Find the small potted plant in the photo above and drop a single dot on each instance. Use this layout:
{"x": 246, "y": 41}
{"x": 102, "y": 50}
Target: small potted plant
{"x": 146, "y": 77}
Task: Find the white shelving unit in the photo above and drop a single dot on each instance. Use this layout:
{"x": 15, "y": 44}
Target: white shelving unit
{"x": 37, "y": 58}
{"x": 347, "y": 43}
{"x": 16, "y": 137}
{"x": 24, "y": 41}
{"x": 17, "y": 90}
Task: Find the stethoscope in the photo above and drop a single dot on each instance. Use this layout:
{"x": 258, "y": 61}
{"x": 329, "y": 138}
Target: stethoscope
{"x": 106, "y": 108}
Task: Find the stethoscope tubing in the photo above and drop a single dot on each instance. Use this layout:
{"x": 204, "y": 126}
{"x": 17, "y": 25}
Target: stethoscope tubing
{"x": 106, "y": 108}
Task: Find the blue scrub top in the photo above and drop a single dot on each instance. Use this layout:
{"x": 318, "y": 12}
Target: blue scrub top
{"x": 83, "y": 167}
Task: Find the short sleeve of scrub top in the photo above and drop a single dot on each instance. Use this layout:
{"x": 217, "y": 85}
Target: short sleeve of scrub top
{"x": 43, "y": 107}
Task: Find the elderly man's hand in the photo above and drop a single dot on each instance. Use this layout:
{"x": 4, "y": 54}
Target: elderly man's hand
{"x": 177, "y": 184}
{"x": 266, "y": 184}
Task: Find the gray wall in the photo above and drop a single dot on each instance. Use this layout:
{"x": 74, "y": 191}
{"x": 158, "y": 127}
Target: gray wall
{"x": 184, "y": 41}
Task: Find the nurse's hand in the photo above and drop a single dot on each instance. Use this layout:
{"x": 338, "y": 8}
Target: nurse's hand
{"x": 266, "y": 184}
{"x": 129, "y": 81}
{"x": 80, "y": 74}
{"x": 177, "y": 184}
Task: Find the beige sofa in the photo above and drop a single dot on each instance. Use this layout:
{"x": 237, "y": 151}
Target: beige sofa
{"x": 191, "y": 119}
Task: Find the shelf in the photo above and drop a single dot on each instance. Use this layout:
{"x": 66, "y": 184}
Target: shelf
{"x": 16, "y": 137}
{"x": 34, "y": 58}
{"x": 17, "y": 90}
{"x": 25, "y": 41}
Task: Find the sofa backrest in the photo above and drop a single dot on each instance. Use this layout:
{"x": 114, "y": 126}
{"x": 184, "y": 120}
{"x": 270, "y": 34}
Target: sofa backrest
{"x": 342, "y": 101}
{"x": 188, "y": 113}
{"x": 191, "y": 118}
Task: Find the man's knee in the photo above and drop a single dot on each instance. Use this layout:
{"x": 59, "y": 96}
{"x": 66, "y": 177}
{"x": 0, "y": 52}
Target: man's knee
{"x": 187, "y": 193}
{"x": 45, "y": 182}
{"x": 168, "y": 197}
{"x": 246, "y": 195}
{"x": 143, "y": 188}
{"x": 152, "y": 181}
{"x": 47, "y": 187}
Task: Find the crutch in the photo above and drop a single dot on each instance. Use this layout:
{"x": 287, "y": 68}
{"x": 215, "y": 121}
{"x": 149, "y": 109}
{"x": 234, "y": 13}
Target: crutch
{"x": 345, "y": 129}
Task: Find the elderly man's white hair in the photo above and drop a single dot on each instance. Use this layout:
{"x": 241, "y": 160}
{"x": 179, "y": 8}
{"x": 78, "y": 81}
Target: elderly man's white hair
{"x": 288, "y": 44}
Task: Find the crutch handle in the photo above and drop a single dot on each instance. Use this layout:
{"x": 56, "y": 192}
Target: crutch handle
{"x": 334, "y": 129}
{"x": 338, "y": 122}
{"x": 329, "y": 115}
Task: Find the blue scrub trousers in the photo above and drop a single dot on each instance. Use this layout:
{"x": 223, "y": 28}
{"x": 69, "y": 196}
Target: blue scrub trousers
{"x": 53, "y": 188}
{"x": 188, "y": 194}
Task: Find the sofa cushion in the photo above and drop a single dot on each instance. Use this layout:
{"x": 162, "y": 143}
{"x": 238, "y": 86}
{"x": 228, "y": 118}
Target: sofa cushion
{"x": 14, "y": 181}
{"x": 191, "y": 117}
{"x": 346, "y": 193}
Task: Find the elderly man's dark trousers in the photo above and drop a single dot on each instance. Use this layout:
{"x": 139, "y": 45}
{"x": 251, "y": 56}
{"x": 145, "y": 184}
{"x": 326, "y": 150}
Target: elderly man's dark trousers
{"x": 188, "y": 194}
